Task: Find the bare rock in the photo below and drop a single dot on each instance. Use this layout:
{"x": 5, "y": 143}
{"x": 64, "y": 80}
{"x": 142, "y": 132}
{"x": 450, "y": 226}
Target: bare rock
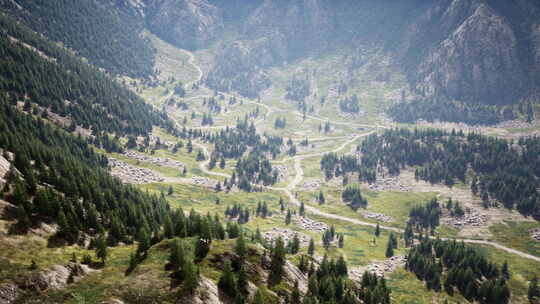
{"x": 113, "y": 301}
{"x": 295, "y": 275}
{"x": 4, "y": 169}
{"x": 206, "y": 293}
{"x": 55, "y": 277}
{"x": 9, "y": 292}
{"x": 535, "y": 234}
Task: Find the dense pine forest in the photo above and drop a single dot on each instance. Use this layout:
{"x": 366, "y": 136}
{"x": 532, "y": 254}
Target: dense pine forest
{"x": 93, "y": 29}
{"x": 36, "y": 71}
{"x": 56, "y": 177}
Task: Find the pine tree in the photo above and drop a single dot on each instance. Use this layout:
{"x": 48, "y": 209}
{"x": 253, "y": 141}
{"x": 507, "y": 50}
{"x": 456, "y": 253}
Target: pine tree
{"x": 242, "y": 281}
{"x": 222, "y": 163}
{"x": 390, "y": 249}
{"x": 132, "y": 263}
{"x": 377, "y": 230}
{"x": 302, "y": 209}
{"x": 505, "y": 271}
{"x": 326, "y": 239}
{"x": 278, "y": 261}
{"x": 295, "y": 245}
{"x": 321, "y": 198}
{"x": 533, "y": 293}
{"x": 288, "y": 217}
{"x": 241, "y": 249}
{"x": 170, "y": 191}
{"x": 311, "y": 248}
{"x": 191, "y": 275}
{"x": 227, "y": 281}
{"x": 101, "y": 249}
{"x": 341, "y": 241}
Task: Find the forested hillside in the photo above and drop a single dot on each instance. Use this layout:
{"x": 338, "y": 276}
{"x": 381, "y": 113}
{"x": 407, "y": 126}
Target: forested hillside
{"x": 37, "y": 72}
{"x": 497, "y": 170}
{"x": 58, "y": 178}
{"x": 97, "y": 30}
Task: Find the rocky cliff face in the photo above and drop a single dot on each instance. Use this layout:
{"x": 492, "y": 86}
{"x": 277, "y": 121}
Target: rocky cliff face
{"x": 189, "y": 24}
{"x": 478, "y": 61}
{"x": 469, "y": 52}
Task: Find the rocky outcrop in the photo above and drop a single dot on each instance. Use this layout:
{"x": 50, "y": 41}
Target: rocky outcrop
{"x": 9, "y": 292}
{"x": 472, "y": 51}
{"x": 478, "y": 61}
{"x": 189, "y": 24}
{"x": 54, "y": 277}
{"x": 206, "y": 293}
{"x": 4, "y": 169}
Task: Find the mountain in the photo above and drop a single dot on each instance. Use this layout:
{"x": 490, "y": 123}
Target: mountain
{"x": 478, "y": 53}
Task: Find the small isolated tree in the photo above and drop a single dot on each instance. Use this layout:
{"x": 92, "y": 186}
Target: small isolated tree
{"x": 341, "y": 241}
{"x": 302, "y": 210}
{"x": 321, "y": 198}
{"x": 377, "y": 230}
{"x": 311, "y": 247}
{"x": 288, "y": 217}
{"x": 222, "y": 163}
{"x": 170, "y": 191}
{"x": 390, "y": 249}
{"x": 101, "y": 249}
{"x": 534, "y": 291}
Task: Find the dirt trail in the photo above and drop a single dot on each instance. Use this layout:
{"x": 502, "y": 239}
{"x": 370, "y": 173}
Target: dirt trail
{"x": 204, "y": 164}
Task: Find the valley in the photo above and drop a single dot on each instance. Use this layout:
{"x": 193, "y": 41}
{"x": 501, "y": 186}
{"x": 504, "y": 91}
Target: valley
{"x": 239, "y": 150}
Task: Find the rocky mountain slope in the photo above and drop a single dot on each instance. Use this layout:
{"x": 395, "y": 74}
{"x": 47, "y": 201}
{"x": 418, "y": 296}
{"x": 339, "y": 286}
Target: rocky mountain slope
{"x": 476, "y": 52}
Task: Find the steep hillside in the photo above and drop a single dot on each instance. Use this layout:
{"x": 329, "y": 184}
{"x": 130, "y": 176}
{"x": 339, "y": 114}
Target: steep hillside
{"x": 477, "y": 52}
{"x": 98, "y": 30}
{"x": 52, "y": 82}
